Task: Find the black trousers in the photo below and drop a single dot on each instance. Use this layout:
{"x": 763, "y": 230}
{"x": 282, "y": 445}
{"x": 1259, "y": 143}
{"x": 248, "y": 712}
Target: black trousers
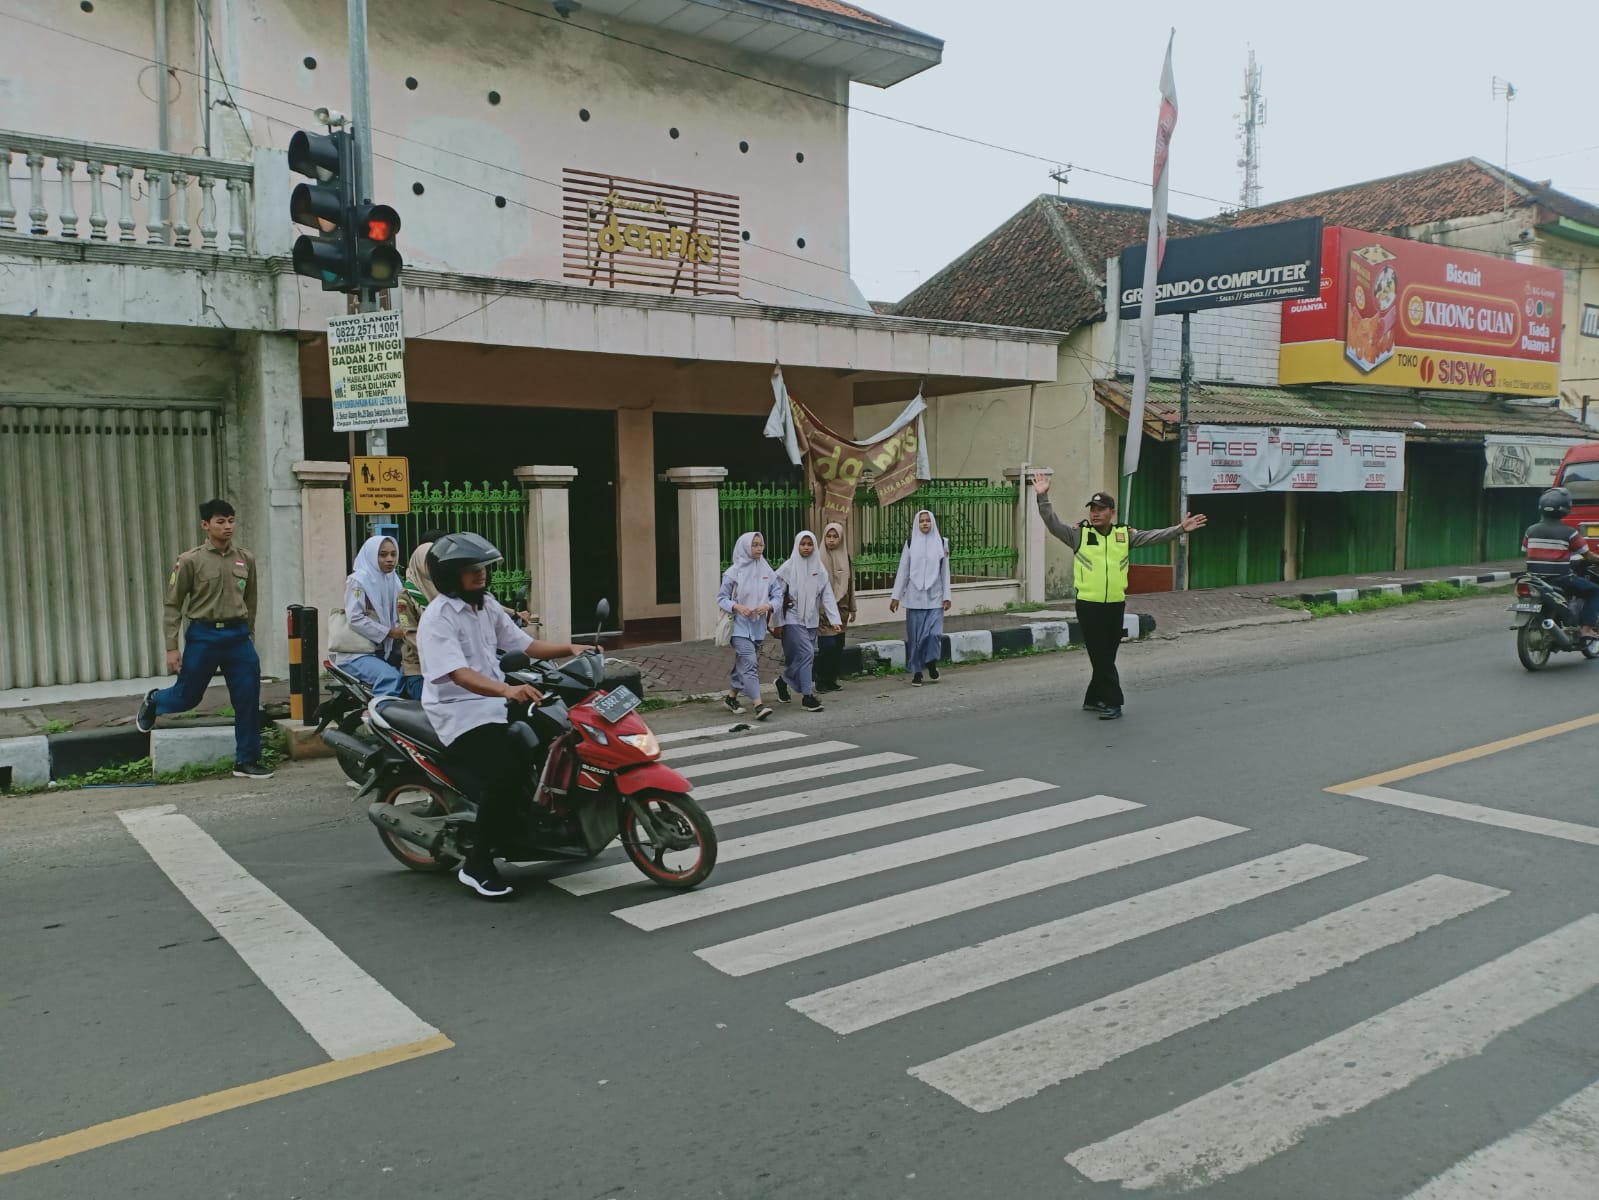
{"x": 829, "y": 658}
{"x": 1102, "y": 635}
{"x": 486, "y": 765}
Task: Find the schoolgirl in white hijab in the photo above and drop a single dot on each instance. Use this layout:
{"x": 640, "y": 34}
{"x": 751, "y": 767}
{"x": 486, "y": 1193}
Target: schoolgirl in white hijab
{"x": 922, "y": 586}
{"x": 371, "y": 605}
{"x": 751, "y": 592}
{"x": 807, "y": 599}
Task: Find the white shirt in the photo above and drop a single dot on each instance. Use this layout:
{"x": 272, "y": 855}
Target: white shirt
{"x": 452, "y": 634}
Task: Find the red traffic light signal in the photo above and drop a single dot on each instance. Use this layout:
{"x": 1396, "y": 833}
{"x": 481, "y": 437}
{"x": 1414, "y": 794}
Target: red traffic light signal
{"x": 377, "y": 262}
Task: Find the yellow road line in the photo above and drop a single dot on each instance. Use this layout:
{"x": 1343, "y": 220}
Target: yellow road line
{"x": 124, "y": 1128}
{"x": 1461, "y": 756}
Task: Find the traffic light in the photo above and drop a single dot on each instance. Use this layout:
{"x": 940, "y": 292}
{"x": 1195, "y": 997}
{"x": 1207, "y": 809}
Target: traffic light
{"x": 353, "y": 249}
{"x": 325, "y": 205}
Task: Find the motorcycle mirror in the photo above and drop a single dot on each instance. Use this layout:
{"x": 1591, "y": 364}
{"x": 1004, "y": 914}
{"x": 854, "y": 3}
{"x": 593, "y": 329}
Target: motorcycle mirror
{"x": 602, "y": 612}
{"x": 515, "y": 661}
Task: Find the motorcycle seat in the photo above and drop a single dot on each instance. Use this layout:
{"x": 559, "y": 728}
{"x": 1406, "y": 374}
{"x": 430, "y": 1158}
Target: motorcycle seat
{"x": 408, "y": 718}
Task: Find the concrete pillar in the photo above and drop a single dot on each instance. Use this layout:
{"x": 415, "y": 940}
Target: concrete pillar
{"x": 635, "y": 487}
{"x": 699, "y": 548}
{"x": 265, "y": 438}
{"x": 324, "y": 563}
{"x": 549, "y": 548}
{"x": 1034, "y": 537}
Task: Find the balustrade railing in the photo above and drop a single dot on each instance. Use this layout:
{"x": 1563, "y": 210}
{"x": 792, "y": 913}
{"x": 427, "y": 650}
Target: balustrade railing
{"x": 132, "y": 196}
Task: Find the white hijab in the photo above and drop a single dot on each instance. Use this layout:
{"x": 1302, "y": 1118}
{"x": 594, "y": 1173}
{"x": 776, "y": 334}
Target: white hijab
{"x": 926, "y": 551}
{"x": 752, "y": 577}
{"x": 806, "y": 580}
{"x": 380, "y": 588}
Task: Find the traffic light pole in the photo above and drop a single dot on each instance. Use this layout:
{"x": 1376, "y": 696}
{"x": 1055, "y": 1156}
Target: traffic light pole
{"x": 377, "y": 440}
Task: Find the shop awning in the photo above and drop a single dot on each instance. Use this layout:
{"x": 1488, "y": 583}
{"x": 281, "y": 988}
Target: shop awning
{"x": 1421, "y": 418}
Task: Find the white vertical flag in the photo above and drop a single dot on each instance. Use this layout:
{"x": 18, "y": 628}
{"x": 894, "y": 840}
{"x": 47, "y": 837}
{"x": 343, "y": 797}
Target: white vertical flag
{"x": 1153, "y": 253}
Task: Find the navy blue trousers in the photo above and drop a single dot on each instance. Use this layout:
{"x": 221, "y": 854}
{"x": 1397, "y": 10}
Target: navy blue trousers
{"x": 205, "y": 648}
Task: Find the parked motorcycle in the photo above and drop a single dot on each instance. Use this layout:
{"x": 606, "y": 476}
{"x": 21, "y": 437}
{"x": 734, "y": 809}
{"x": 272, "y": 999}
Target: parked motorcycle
{"x": 1547, "y": 621}
{"x": 593, "y": 774}
{"x": 344, "y": 707}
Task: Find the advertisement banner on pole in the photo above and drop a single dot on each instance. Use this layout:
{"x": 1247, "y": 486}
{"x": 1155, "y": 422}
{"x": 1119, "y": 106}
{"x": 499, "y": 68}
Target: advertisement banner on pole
{"x": 1224, "y": 459}
{"x": 1409, "y": 314}
{"x": 1515, "y": 460}
{"x": 366, "y": 371}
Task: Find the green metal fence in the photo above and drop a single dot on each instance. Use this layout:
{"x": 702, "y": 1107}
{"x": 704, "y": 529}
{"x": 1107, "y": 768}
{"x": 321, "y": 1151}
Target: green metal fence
{"x": 777, "y": 511}
{"x": 977, "y": 516}
{"x": 497, "y": 512}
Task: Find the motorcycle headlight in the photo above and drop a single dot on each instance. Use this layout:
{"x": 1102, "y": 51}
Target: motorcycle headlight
{"x": 598, "y": 735}
{"x": 642, "y": 741}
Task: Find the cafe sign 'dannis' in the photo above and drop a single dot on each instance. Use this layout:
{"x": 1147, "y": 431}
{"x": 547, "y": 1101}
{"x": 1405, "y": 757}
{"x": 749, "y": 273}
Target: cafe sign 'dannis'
{"x": 631, "y": 233}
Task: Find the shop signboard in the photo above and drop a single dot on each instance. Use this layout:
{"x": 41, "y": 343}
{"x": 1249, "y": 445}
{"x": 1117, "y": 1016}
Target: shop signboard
{"x": 1408, "y": 314}
{"x": 1227, "y": 459}
{"x": 1255, "y": 265}
{"x": 1517, "y": 460}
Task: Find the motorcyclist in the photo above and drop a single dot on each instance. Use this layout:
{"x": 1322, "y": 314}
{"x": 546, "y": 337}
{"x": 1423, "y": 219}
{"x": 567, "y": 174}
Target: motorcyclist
{"x": 465, "y": 695}
{"x": 1554, "y": 549}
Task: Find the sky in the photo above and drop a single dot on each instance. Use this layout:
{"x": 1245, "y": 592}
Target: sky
{"x": 1377, "y": 89}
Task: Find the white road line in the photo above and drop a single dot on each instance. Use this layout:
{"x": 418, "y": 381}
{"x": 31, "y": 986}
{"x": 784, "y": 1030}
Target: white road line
{"x": 689, "y": 906}
{"x": 918, "y": 985}
{"x": 1568, "y": 831}
{"x": 343, "y": 1008}
{"x": 1015, "y": 1065}
{"x": 729, "y": 765}
{"x": 802, "y": 939}
{"x": 602, "y": 879}
{"x": 704, "y": 731}
{"x": 811, "y": 797}
{"x": 731, "y": 745}
{"x": 1269, "y": 1110}
{"x": 1557, "y": 1155}
{"x": 837, "y": 766}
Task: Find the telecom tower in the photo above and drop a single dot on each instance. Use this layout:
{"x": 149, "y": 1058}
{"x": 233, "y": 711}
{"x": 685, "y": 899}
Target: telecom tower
{"x": 1249, "y": 123}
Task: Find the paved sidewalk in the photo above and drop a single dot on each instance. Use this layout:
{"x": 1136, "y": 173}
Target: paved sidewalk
{"x": 694, "y": 668}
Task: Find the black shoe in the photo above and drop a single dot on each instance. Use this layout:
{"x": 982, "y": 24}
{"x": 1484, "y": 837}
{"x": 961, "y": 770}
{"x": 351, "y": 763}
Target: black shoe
{"x": 916, "y": 679}
{"x": 1094, "y": 707}
{"x": 1111, "y": 712}
{"x": 830, "y": 687}
{"x": 762, "y": 713}
{"x": 811, "y": 704}
{"x": 144, "y": 720}
{"x": 782, "y": 690}
{"x": 250, "y": 771}
{"x": 932, "y": 672}
{"x": 485, "y": 881}
{"x": 733, "y": 706}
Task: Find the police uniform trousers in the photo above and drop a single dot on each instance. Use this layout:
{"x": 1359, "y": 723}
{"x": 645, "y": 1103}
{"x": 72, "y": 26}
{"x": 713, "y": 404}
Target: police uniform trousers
{"x": 1101, "y": 625}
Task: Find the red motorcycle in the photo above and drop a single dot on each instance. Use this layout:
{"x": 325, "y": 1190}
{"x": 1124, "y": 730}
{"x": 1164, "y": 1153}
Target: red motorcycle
{"x": 593, "y": 774}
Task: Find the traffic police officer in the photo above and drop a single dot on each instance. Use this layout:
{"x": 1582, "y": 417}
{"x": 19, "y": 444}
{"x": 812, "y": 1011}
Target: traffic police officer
{"x": 214, "y": 585}
{"x": 1100, "y": 549}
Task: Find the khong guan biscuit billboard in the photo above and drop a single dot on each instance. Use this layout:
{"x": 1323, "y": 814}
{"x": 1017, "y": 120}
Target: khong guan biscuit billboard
{"x": 1408, "y": 314}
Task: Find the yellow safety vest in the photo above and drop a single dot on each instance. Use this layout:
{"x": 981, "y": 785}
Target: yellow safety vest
{"x": 1099, "y": 571}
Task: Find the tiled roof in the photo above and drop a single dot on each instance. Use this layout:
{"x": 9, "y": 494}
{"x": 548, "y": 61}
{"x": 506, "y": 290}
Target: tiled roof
{"x": 841, "y": 10}
{"x": 1042, "y": 269}
{"x": 1466, "y": 188}
{"x": 1214, "y": 404}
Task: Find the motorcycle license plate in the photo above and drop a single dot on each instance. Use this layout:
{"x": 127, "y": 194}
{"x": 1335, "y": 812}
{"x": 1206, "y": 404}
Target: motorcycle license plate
{"x": 617, "y": 704}
{"x": 1526, "y": 606}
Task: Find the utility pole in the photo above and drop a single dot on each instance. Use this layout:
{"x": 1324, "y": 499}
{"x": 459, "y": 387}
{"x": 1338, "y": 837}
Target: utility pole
{"x": 377, "y": 440}
{"x": 1503, "y": 87}
{"x": 1253, "y": 117}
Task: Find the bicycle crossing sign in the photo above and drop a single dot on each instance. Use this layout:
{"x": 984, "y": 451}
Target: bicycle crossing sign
{"x": 381, "y": 486}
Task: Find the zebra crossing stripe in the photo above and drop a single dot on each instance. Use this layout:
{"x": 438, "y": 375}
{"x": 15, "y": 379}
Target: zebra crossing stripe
{"x": 811, "y": 797}
{"x": 732, "y": 746}
{"x": 691, "y": 735}
{"x": 602, "y": 879}
{"x": 769, "y": 757}
{"x": 802, "y": 939}
{"x": 1269, "y": 1110}
{"x": 918, "y": 985}
{"x": 1021, "y": 1063}
{"x": 838, "y": 766}
{"x": 689, "y": 906}
{"x": 1569, "y": 831}
{"x": 1557, "y": 1155}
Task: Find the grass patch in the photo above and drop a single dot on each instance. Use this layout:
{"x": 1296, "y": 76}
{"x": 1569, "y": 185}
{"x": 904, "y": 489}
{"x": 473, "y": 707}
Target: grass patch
{"x": 56, "y": 725}
{"x": 1025, "y": 606}
{"x": 1437, "y": 589}
{"x": 656, "y": 703}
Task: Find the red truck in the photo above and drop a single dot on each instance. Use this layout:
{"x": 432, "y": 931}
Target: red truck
{"x": 1579, "y": 475}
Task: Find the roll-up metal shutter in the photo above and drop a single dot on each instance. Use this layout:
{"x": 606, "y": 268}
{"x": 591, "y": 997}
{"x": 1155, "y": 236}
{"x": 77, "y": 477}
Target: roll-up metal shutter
{"x": 96, "y": 503}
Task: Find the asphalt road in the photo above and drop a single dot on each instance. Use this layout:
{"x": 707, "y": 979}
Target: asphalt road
{"x": 1039, "y": 955}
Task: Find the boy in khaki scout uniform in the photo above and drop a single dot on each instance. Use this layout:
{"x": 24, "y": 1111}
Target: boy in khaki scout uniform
{"x": 214, "y": 585}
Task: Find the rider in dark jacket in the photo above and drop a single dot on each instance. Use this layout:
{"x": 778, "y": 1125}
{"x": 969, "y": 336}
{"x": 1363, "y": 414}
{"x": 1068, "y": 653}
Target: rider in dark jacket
{"x": 1554, "y": 550}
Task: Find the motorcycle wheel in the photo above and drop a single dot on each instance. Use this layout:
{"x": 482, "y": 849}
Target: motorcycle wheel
{"x": 423, "y": 800}
{"x": 1532, "y": 647}
{"x": 676, "y": 868}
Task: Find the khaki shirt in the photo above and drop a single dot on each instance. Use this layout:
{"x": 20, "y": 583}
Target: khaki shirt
{"x": 207, "y": 584}
{"x": 410, "y": 616}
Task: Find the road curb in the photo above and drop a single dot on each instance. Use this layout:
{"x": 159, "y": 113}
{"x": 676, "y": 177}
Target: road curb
{"x": 38, "y": 759}
{"x": 1406, "y": 588}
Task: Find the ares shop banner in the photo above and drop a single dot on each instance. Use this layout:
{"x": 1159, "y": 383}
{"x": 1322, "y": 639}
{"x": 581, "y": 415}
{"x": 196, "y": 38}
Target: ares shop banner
{"x": 1260, "y": 458}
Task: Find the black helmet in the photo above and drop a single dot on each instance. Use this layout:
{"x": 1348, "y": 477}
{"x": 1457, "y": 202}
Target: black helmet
{"x": 457, "y": 552}
{"x": 1556, "y": 502}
